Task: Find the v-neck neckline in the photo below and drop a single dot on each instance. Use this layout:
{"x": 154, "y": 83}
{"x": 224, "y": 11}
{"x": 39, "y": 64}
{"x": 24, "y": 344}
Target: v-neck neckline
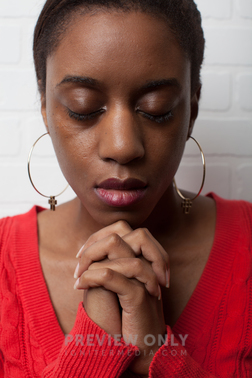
{"x": 35, "y": 295}
{"x": 39, "y": 308}
{"x": 211, "y": 285}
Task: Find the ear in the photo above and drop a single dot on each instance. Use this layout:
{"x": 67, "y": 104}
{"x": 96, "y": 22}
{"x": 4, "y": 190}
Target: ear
{"x": 43, "y": 108}
{"x": 194, "y": 110}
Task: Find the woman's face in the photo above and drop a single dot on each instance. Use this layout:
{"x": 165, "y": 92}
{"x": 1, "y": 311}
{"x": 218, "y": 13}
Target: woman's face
{"x": 118, "y": 108}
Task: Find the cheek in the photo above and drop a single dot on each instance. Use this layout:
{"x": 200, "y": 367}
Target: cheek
{"x": 75, "y": 154}
{"x": 73, "y": 147}
{"x": 166, "y": 147}
{"x": 165, "y": 159}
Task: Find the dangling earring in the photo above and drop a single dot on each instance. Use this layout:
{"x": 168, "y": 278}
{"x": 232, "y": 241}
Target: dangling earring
{"x": 187, "y": 202}
{"x": 52, "y": 201}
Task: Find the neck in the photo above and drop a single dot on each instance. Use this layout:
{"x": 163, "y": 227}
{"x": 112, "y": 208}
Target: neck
{"x": 167, "y": 219}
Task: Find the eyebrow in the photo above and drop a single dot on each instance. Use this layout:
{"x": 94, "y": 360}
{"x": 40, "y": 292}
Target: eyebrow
{"x": 164, "y": 82}
{"x": 95, "y": 83}
{"x": 80, "y": 80}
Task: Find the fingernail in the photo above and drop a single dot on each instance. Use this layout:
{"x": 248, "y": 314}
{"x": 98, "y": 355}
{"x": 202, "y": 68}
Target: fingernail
{"x": 80, "y": 251}
{"x": 76, "y": 284}
{"x": 159, "y": 295}
{"x": 76, "y": 271}
{"x": 167, "y": 276}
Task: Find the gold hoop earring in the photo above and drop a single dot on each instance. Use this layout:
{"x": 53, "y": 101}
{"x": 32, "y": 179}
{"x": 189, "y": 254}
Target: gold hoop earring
{"x": 52, "y": 201}
{"x": 187, "y": 202}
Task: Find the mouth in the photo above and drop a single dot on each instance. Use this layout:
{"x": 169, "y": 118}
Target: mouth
{"x": 120, "y": 193}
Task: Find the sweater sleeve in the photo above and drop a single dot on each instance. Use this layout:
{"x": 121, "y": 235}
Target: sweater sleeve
{"x": 1, "y": 365}
{"x": 173, "y": 361}
{"x": 1, "y": 354}
{"x": 88, "y": 351}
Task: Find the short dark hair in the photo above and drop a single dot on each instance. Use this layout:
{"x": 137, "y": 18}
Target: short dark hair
{"x": 182, "y": 17}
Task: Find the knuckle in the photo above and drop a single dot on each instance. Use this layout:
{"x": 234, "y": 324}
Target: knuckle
{"x": 114, "y": 239}
{"x": 107, "y": 274}
{"x": 94, "y": 266}
{"x": 137, "y": 264}
{"x": 146, "y": 231}
{"x": 141, "y": 233}
{"x": 122, "y": 224}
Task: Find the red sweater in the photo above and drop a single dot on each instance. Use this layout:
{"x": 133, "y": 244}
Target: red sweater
{"x": 216, "y": 323}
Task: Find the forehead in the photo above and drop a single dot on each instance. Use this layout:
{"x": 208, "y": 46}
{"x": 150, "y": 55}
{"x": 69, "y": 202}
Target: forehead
{"x": 121, "y": 46}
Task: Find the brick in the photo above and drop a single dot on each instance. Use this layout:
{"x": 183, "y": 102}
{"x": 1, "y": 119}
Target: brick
{"x": 245, "y": 8}
{"x": 10, "y": 137}
{"x": 216, "y": 91}
{"x": 228, "y": 46}
{"x": 18, "y": 8}
{"x": 18, "y": 90}
{"x": 245, "y": 91}
{"x": 244, "y": 179}
{"x": 218, "y": 178}
{"x": 214, "y": 8}
{"x": 223, "y": 137}
{"x": 10, "y": 46}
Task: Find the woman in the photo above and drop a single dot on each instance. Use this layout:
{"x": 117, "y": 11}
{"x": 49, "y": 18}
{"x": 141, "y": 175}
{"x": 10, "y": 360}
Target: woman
{"x": 120, "y": 87}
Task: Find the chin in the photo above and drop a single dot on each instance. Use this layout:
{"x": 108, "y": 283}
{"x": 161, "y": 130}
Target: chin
{"x": 134, "y": 218}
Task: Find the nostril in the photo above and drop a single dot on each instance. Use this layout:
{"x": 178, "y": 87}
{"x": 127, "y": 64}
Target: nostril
{"x": 122, "y": 159}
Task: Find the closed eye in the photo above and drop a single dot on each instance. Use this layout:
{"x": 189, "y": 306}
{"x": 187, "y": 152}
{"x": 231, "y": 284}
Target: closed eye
{"x": 157, "y": 118}
{"x": 84, "y": 117}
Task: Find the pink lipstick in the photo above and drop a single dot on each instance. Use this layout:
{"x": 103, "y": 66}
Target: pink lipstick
{"x": 121, "y": 193}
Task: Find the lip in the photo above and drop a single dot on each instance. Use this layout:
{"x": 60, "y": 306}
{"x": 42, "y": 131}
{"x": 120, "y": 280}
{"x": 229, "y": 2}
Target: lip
{"x": 120, "y": 193}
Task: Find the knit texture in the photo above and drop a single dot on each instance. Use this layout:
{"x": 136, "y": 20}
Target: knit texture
{"x": 212, "y": 337}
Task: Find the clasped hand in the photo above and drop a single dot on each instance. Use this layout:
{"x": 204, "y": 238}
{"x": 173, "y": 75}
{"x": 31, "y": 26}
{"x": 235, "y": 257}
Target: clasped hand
{"x": 121, "y": 271}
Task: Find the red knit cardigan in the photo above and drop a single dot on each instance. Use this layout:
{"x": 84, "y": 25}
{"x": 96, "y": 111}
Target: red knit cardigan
{"x": 215, "y": 326}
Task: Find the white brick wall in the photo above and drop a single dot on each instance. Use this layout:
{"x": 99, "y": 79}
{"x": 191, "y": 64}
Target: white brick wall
{"x": 245, "y": 91}
{"x": 245, "y": 8}
{"x": 224, "y": 127}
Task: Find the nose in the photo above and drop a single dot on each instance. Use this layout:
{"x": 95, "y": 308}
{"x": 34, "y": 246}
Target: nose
{"x": 121, "y": 138}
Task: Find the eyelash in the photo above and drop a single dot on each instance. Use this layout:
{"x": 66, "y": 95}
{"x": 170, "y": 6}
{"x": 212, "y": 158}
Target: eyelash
{"x": 86, "y": 117}
{"x": 159, "y": 118}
